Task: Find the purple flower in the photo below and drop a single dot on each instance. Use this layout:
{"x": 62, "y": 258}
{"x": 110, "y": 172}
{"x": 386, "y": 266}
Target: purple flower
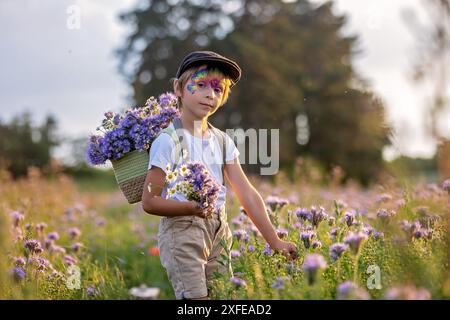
{"x": 307, "y": 237}
{"x": 74, "y": 232}
{"x": 40, "y": 227}
{"x": 407, "y": 227}
{"x": 334, "y": 232}
{"x": 251, "y": 248}
{"x": 316, "y": 244}
{"x": 48, "y": 243}
{"x": 367, "y": 229}
{"x": 414, "y": 229}
{"x": 42, "y": 264}
{"x": 303, "y": 214}
{"x": 378, "y": 235}
{"x": 384, "y": 197}
{"x": 446, "y": 185}
{"x": 56, "y": 249}
{"x": 53, "y": 236}
{"x": 384, "y": 215}
{"x": 33, "y": 246}
{"x": 349, "y": 218}
{"x": 354, "y": 240}
{"x": 297, "y": 225}
{"x": 76, "y": 247}
{"x": 115, "y": 144}
{"x": 276, "y": 203}
{"x": 279, "y": 282}
{"x": 236, "y": 222}
{"x": 100, "y": 221}
{"x": 19, "y": 261}
{"x": 94, "y": 154}
{"x": 350, "y": 291}
{"x": 241, "y": 234}
{"x": 17, "y": 217}
{"x": 18, "y": 273}
{"x": 69, "y": 260}
{"x": 313, "y": 262}
{"x": 423, "y": 233}
{"x": 408, "y": 292}
{"x": 291, "y": 268}
{"x": 336, "y": 250}
{"x": 92, "y": 291}
{"x": 116, "y": 119}
{"x": 267, "y": 250}
{"x": 135, "y": 129}
{"x": 167, "y": 99}
{"x": 235, "y": 254}
{"x": 237, "y": 282}
{"x": 282, "y": 233}
{"x": 109, "y": 115}
{"x": 317, "y": 215}
{"x": 205, "y": 189}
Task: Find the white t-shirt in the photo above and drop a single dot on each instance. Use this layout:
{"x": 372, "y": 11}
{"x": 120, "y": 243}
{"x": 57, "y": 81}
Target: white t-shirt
{"x": 206, "y": 151}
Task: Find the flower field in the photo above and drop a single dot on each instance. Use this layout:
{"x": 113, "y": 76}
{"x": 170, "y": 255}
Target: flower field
{"x": 62, "y": 241}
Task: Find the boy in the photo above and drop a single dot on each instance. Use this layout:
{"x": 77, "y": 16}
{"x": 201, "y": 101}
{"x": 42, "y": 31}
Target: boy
{"x": 189, "y": 237}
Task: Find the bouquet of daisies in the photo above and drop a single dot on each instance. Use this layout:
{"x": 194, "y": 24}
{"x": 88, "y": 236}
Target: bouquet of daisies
{"x": 194, "y": 182}
{"x": 125, "y": 139}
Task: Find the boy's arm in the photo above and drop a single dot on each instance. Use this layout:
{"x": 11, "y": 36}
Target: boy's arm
{"x": 152, "y": 202}
{"x": 253, "y": 204}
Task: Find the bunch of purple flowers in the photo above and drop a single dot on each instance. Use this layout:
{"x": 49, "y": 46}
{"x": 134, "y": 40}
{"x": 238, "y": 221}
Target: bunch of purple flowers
{"x": 196, "y": 184}
{"x": 134, "y": 129}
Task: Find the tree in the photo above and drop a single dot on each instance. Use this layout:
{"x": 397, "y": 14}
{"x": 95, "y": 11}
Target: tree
{"x": 295, "y": 62}
{"x": 23, "y": 145}
{"x": 432, "y": 66}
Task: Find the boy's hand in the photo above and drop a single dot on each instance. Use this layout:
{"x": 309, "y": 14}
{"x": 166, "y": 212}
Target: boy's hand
{"x": 198, "y": 210}
{"x": 289, "y": 249}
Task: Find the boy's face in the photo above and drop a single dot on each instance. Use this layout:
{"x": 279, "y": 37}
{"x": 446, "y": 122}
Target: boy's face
{"x": 203, "y": 92}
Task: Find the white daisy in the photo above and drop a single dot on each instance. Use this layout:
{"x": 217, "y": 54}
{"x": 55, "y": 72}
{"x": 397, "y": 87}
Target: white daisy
{"x": 184, "y": 170}
{"x": 170, "y": 177}
{"x": 184, "y": 188}
{"x": 171, "y": 192}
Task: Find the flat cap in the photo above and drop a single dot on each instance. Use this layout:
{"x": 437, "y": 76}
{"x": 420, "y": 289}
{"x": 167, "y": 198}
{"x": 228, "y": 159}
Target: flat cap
{"x": 213, "y": 59}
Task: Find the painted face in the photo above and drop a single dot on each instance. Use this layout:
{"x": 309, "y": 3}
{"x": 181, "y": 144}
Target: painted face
{"x": 203, "y": 79}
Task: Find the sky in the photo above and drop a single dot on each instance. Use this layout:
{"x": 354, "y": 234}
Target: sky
{"x": 58, "y": 58}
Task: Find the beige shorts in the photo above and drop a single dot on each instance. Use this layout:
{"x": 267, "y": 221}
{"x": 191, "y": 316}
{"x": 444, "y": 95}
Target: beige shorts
{"x": 190, "y": 250}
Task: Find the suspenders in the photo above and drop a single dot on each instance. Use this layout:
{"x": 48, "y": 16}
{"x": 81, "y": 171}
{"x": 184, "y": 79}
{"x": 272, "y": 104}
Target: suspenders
{"x": 180, "y": 143}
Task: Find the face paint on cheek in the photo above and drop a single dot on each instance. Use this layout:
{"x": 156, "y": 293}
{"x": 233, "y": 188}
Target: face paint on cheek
{"x": 196, "y": 77}
{"x": 191, "y": 88}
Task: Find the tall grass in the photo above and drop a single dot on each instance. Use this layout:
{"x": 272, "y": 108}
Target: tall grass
{"x": 93, "y": 230}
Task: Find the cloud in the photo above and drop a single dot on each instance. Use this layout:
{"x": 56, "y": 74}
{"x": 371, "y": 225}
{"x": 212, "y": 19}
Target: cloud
{"x": 47, "y": 67}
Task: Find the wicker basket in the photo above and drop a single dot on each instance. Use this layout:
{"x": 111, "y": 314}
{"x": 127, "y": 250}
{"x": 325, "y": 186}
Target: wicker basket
{"x": 130, "y": 172}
